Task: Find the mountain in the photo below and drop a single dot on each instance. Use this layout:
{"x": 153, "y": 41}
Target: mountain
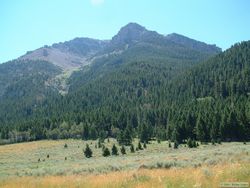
{"x": 67, "y": 55}
{"x": 130, "y": 33}
{"x": 191, "y": 43}
{"x": 135, "y": 43}
{"x": 208, "y": 102}
{"x": 171, "y": 86}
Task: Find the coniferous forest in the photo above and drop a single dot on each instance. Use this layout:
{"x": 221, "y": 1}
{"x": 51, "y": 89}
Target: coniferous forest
{"x": 172, "y": 93}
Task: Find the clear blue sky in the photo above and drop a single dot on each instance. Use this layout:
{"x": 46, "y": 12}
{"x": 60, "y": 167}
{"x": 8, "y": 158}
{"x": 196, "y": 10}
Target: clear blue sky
{"x": 29, "y": 24}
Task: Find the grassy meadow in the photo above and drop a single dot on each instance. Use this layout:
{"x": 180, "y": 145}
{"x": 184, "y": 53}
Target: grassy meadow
{"x": 50, "y": 164}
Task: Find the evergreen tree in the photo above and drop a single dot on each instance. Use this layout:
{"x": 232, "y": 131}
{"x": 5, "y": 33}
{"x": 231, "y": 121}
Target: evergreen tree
{"x": 88, "y": 152}
{"x": 123, "y": 150}
{"x": 106, "y": 152}
{"x": 114, "y": 150}
{"x": 190, "y": 143}
{"x": 169, "y": 144}
{"x": 144, "y": 133}
{"x": 176, "y": 144}
{"x": 132, "y": 149}
{"x": 200, "y": 129}
{"x": 140, "y": 146}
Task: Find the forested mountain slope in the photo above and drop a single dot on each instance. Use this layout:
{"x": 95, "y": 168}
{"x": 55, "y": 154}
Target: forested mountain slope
{"x": 210, "y": 101}
{"x": 141, "y": 84}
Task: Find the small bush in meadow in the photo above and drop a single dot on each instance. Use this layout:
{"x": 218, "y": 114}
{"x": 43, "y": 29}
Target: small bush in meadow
{"x": 140, "y": 146}
{"x": 132, "y": 149}
{"x": 144, "y": 145}
{"x": 169, "y": 144}
{"x": 114, "y": 150}
{"x": 106, "y": 152}
{"x": 99, "y": 143}
{"x": 190, "y": 143}
{"x": 65, "y": 145}
{"x": 88, "y": 152}
{"x": 176, "y": 145}
{"x": 123, "y": 150}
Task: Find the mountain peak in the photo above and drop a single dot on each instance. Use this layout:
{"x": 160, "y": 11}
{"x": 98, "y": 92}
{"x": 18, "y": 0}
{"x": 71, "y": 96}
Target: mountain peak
{"x": 132, "y": 26}
{"x": 129, "y": 33}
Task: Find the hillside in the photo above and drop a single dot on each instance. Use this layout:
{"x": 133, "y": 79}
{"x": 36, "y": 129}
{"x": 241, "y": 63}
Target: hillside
{"x": 140, "y": 84}
{"x": 67, "y": 55}
{"x": 208, "y": 102}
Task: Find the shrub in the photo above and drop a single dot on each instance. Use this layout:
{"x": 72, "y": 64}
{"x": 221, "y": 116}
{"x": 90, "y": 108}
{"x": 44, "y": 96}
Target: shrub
{"x": 219, "y": 141}
{"x": 65, "y": 146}
{"x": 176, "y": 145}
{"x": 132, "y": 149}
{"x": 88, "y": 152}
{"x": 114, "y": 150}
{"x": 123, "y": 150}
{"x": 140, "y": 146}
{"x": 99, "y": 143}
{"x": 169, "y": 144}
{"x": 48, "y": 156}
{"x": 190, "y": 143}
{"x": 194, "y": 144}
{"x": 106, "y": 152}
{"x": 144, "y": 145}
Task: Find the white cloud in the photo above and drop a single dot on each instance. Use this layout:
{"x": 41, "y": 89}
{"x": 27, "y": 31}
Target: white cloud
{"x": 96, "y": 2}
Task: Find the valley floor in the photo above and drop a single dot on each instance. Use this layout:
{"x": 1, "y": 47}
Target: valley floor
{"x": 50, "y": 164}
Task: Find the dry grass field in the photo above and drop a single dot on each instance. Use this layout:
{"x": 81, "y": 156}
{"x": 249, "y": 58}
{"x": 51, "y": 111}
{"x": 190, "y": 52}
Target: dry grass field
{"x": 156, "y": 166}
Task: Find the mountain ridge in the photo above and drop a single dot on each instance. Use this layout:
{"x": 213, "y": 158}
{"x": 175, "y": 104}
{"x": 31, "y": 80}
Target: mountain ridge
{"x": 81, "y": 51}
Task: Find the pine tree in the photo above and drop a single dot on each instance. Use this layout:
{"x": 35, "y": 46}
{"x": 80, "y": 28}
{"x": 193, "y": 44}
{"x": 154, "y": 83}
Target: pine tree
{"x": 140, "y": 146}
{"x": 169, "y": 144}
{"x": 132, "y": 149}
{"x": 99, "y": 143}
{"x": 176, "y": 135}
{"x": 144, "y": 133}
{"x": 114, "y": 150}
{"x": 123, "y": 150}
{"x": 200, "y": 129}
{"x": 88, "y": 151}
{"x": 190, "y": 143}
{"x": 106, "y": 152}
{"x": 176, "y": 144}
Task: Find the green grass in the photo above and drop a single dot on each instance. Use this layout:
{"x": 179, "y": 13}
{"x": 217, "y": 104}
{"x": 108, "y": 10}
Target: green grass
{"x": 22, "y": 159}
{"x": 156, "y": 166}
